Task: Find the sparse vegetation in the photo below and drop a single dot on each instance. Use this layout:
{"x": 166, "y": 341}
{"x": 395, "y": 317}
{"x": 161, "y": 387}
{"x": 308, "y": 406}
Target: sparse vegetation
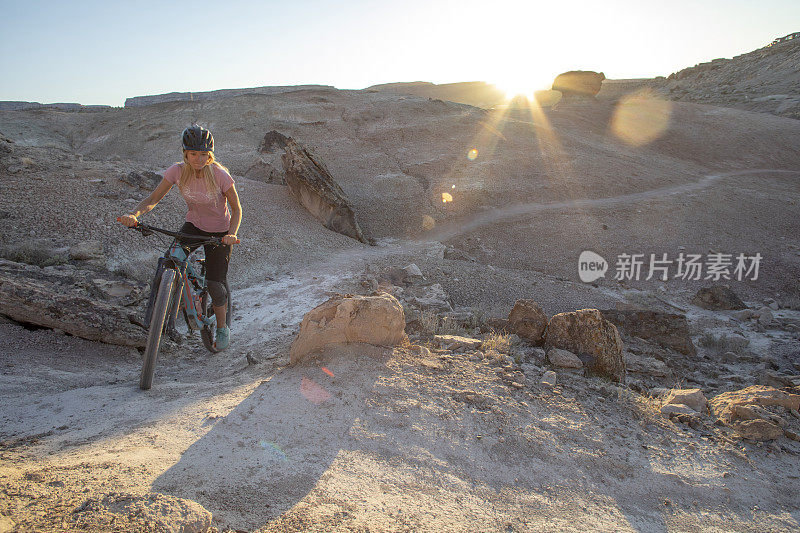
{"x": 497, "y": 342}
{"x": 433, "y": 324}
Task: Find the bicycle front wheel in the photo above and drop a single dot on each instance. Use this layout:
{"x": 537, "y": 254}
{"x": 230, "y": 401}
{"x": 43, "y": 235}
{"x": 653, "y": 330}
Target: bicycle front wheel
{"x": 159, "y": 316}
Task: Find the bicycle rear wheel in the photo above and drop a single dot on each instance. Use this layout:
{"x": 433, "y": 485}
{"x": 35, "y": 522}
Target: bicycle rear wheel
{"x": 159, "y": 316}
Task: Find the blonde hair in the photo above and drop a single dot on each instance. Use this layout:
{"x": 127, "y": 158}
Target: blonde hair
{"x": 187, "y": 174}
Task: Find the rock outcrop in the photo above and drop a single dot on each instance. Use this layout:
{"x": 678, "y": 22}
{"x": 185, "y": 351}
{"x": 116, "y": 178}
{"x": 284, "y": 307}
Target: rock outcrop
{"x": 745, "y": 411}
{"x": 377, "y": 320}
{"x": 139, "y": 101}
{"x": 666, "y": 329}
{"x": 765, "y": 80}
{"x": 582, "y": 83}
{"x": 311, "y": 184}
{"x": 591, "y": 337}
{"x": 528, "y": 321}
{"x": 84, "y": 303}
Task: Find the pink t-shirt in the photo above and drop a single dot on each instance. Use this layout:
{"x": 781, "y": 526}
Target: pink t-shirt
{"x": 206, "y": 212}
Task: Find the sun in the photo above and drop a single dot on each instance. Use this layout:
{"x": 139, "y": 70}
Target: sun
{"x": 524, "y": 85}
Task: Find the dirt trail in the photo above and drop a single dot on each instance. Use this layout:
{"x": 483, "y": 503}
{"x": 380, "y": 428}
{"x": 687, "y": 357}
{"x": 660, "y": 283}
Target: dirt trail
{"x": 452, "y": 229}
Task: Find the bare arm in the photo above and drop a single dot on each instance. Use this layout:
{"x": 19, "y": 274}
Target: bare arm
{"x": 148, "y": 203}
{"x": 236, "y": 214}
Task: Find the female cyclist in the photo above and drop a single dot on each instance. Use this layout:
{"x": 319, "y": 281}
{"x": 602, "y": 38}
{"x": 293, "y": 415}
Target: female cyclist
{"x": 208, "y": 189}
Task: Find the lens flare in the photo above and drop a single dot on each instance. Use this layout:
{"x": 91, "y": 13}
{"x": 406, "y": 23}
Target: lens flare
{"x": 313, "y": 392}
{"x": 428, "y": 223}
{"x": 472, "y": 155}
{"x": 274, "y": 449}
{"x": 641, "y": 117}
{"x": 446, "y": 197}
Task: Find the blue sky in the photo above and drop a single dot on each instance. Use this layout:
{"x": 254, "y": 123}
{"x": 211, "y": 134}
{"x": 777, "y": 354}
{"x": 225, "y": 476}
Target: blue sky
{"x": 96, "y": 52}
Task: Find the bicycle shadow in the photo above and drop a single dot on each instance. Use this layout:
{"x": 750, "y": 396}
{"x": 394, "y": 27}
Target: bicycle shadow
{"x": 268, "y": 452}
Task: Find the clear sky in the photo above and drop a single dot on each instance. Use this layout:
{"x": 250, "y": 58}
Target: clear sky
{"x": 100, "y": 52}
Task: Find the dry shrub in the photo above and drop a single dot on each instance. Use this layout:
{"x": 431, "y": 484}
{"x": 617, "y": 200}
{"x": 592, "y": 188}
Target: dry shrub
{"x": 497, "y": 342}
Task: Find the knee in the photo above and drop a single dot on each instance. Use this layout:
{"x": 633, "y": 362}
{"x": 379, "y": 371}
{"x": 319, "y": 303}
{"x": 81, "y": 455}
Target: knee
{"x": 219, "y": 296}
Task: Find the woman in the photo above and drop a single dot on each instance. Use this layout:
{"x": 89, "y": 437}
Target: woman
{"x": 208, "y": 189}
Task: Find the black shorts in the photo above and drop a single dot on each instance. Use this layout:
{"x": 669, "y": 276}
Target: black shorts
{"x": 217, "y": 255}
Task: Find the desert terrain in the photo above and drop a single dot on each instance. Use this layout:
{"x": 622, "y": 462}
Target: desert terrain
{"x": 430, "y": 435}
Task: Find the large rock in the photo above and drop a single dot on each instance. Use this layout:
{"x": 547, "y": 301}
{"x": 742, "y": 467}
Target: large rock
{"x": 723, "y": 405}
{"x": 84, "y": 303}
{"x": 667, "y": 329}
{"x": 348, "y": 319}
{"x": 587, "y": 334}
{"x": 311, "y": 184}
{"x": 579, "y": 83}
{"x": 717, "y": 298}
{"x": 528, "y": 320}
{"x": 694, "y": 398}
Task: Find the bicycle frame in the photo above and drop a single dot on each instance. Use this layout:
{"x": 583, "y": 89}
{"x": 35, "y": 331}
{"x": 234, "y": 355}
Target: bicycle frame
{"x": 185, "y": 295}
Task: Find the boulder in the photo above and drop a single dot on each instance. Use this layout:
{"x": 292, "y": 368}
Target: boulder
{"x": 350, "y": 319}
{"x": 579, "y": 83}
{"x": 527, "y": 320}
{"x": 723, "y": 406}
{"x": 666, "y": 329}
{"x": 563, "y": 358}
{"x": 587, "y": 334}
{"x": 694, "y": 398}
{"x": 84, "y": 303}
{"x": 717, "y": 298}
{"x": 314, "y": 188}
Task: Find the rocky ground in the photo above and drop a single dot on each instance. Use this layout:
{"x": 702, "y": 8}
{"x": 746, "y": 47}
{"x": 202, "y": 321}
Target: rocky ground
{"x": 432, "y": 434}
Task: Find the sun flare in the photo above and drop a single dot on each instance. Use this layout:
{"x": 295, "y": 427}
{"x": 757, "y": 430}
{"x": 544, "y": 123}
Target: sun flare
{"x": 525, "y": 86}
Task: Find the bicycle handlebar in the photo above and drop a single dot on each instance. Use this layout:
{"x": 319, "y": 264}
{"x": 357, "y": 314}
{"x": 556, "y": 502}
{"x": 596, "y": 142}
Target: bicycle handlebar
{"x": 145, "y": 230}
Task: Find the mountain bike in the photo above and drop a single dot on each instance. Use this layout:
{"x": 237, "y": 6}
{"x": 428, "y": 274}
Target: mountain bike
{"x": 178, "y": 286}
